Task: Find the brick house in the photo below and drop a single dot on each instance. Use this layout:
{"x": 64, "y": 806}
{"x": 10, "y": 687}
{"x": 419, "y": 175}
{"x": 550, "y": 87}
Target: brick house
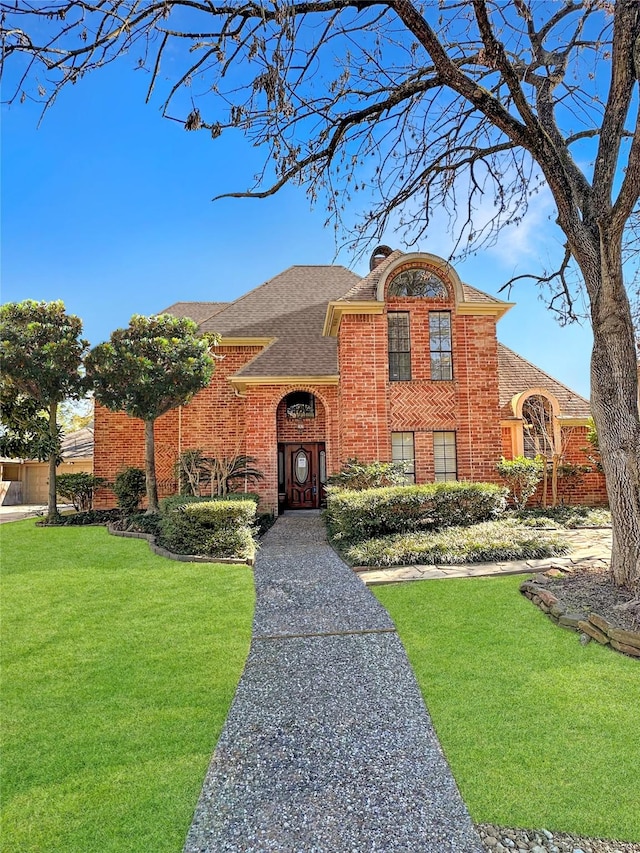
{"x": 319, "y": 365}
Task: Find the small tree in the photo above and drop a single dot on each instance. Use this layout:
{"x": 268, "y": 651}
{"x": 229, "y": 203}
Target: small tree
{"x": 79, "y": 489}
{"x": 41, "y": 355}
{"x": 522, "y": 476}
{"x": 147, "y": 369}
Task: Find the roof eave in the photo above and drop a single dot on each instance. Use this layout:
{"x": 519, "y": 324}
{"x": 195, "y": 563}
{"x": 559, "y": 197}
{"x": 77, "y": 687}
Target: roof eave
{"x": 336, "y": 310}
{"x": 497, "y": 309}
{"x": 241, "y": 383}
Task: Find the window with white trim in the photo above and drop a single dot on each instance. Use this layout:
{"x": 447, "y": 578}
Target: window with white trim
{"x": 403, "y": 450}
{"x": 445, "y": 466}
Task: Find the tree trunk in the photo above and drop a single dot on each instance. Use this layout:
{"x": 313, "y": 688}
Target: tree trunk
{"x": 52, "y": 508}
{"x": 544, "y": 483}
{"x": 554, "y": 480}
{"x": 614, "y": 400}
{"x": 150, "y": 468}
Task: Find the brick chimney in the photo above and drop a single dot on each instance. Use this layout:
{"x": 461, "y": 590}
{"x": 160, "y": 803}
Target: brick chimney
{"x": 378, "y": 256}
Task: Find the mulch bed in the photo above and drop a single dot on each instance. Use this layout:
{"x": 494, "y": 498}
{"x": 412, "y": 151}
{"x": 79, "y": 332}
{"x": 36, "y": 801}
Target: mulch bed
{"x": 592, "y": 590}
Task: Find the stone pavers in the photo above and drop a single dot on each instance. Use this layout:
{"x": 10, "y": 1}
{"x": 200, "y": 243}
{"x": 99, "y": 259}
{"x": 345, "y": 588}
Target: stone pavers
{"x": 328, "y": 745}
{"x": 588, "y": 546}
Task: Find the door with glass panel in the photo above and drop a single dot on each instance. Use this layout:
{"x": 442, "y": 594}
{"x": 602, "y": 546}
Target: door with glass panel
{"x": 302, "y": 474}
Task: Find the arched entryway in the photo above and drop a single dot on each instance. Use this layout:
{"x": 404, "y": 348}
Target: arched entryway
{"x": 302, "y": 452}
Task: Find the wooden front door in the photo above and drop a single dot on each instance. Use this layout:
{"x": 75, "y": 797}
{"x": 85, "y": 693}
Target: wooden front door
{"x": 302, "y": 475}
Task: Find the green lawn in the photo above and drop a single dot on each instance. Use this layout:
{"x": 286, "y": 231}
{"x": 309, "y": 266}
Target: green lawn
{"x": 539, "y": 730}
{"x": 118, "y": 668}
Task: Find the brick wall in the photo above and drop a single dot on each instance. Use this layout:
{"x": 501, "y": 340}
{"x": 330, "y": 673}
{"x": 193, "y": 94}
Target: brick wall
{"x": 372, "y": 407}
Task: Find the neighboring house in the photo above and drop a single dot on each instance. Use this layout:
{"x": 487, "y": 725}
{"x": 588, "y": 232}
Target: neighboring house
{"x": 319, "y": 365}
{"x": 26, "y": 481}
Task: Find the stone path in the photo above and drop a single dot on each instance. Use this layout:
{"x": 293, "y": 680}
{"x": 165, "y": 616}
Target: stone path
{"x": 588, "y": 546}
{"x": 328, "y": 745}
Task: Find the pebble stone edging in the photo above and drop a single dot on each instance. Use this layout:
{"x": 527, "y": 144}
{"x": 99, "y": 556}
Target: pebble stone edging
{"x": 497, "y": 839}
{"x": 182, "y": 558}
{"x": 591, "y": 626}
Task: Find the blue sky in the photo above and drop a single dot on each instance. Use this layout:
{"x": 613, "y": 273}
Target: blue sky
{"x": 107, "y": 206}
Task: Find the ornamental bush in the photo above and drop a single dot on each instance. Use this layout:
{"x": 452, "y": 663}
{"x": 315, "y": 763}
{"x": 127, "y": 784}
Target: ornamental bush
{"x": 354, "y": 516}
{"x": 177, "y": 502}
{"x": 371, "y": 475}
{"x": 79, "y": 489}
{"x": 129, "y": 487}
{"x": 522, "y": 476}
{"x": 213, "y": 528}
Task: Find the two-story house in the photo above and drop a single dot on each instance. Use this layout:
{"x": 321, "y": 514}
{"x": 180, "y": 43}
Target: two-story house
{"x": 319, "y": 365}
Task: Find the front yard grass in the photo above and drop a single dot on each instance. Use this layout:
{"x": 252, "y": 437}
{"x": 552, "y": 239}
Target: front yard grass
{"x": 540, "y": 731}
{"x": 118, "y": 668}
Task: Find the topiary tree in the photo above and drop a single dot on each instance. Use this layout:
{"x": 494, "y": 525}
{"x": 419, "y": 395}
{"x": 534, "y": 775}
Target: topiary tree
{"x": 522, "y": 476}
{"x": 41, "y": 356}
{"x": 152, "y": 366}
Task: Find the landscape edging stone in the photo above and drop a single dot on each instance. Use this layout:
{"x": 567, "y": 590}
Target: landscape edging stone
{"x": 592, "y": 624}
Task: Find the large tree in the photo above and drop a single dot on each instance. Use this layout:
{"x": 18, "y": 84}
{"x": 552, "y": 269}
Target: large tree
{"x": 152, "y": 366}
{"x": 41, "y": 355}
{"x": 468, "y": 107}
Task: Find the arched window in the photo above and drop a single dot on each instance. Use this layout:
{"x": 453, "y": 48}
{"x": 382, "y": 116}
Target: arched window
{"x": 300, "y": 404}
{"x": 418, "y": 282}
{"x": 538, "y": 427}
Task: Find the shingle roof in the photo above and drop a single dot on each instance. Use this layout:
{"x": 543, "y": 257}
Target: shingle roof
{"x": 472, "y": 294}
{"x": 196, "y": 311}
{"x": 290, "y": 307}
{"x": 367, "y": 287}
{"x": 516, "y": 374}
{"x": 78, "y": 444}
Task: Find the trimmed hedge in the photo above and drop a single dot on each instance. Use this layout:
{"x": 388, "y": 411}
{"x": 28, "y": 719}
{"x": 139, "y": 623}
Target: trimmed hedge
{"x": 354, "y": 516}
{"x": 174, "y": 502}
{"x": 219, "y": 528}
{"x": 490, "y": 541}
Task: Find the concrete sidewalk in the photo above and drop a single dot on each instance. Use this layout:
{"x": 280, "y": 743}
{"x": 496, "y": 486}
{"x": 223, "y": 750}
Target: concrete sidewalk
{"x": 328, "y": 746}
{"x": 17, "y": 512}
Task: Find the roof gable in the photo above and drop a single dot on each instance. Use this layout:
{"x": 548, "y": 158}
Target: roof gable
{"x": 516, "y": 375}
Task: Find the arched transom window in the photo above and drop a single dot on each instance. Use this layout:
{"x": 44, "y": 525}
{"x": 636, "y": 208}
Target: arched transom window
{"x": 418, "y": 282}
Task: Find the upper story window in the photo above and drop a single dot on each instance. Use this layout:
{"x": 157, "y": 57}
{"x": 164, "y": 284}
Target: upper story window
{"x": 418, "y": 282}
{"x": 440, "y": 345}
{"x": 399, "y": 346}
{"x": 300, "y": 404}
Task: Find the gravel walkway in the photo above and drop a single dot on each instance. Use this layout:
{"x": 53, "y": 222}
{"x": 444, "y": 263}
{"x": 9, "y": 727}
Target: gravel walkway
{"x": 328, "y": 745}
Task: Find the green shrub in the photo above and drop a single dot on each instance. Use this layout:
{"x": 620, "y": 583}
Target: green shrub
{"x": 352, "y": 516}
{"x": 176, "y": 502}
{"x": 481, "y": 543}
{"x": 139, "y": 523}
{"x": 371, "y": 475}
{"x": 79, "y": 489}
{"x": 264, "y": 520}
{"x": 91, "y": 516}
{"x": 522, "y": 476}
{"x": 213, "y": 528}
{"x": 129, "y": 488}
{"x": 219, "y": 515}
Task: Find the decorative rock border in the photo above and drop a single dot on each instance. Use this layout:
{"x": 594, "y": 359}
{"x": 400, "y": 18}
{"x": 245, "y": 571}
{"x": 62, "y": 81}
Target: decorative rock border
{"x": 182, "y": 558}
{"x": 593, "y": 626}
